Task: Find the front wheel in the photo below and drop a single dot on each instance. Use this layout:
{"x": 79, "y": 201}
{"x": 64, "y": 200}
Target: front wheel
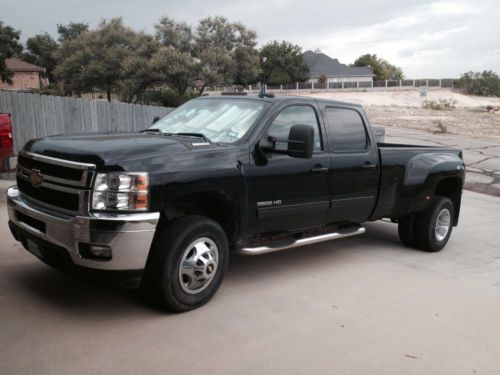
{"x": 187, "y": 263}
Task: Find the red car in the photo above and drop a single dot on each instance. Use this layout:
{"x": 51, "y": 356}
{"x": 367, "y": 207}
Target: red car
{"x": 6, "y": 141}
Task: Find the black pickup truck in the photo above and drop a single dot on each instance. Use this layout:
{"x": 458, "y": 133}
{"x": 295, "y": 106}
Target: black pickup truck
{"x": 165, "y": 207}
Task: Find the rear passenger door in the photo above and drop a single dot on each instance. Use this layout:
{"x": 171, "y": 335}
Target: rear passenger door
{"x": 355, "y": 165}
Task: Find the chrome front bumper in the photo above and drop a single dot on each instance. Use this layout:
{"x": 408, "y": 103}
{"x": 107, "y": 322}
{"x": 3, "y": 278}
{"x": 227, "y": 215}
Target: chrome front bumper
{"x": 128, "y": 235}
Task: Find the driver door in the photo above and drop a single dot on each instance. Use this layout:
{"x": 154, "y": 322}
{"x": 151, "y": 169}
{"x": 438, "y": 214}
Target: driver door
{"x": 290, "y": 193}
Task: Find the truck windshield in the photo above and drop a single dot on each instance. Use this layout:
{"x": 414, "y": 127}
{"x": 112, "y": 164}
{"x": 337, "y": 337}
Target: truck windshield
{"x": 219, "y": 120}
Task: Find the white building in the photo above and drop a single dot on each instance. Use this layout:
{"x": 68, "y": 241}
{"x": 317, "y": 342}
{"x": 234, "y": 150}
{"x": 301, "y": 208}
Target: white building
{"x": 320, "y": 64}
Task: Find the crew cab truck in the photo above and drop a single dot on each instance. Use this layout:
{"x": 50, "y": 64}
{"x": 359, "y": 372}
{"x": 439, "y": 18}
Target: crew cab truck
{"x": 165, "y": 207}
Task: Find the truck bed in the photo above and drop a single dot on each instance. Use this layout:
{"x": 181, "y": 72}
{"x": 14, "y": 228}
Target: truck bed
{"x": 409, "y": 174}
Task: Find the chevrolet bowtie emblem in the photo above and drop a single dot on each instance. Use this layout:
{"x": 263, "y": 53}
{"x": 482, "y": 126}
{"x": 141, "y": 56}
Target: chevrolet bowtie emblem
{"x": 36, "y": 178}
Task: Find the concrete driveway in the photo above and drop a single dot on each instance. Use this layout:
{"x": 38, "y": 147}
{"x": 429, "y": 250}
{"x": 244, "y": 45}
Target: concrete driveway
{"x": 364, "y": 305}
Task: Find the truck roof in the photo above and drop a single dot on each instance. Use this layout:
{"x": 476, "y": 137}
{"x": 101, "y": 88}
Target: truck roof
{"x": 279, "y": 98}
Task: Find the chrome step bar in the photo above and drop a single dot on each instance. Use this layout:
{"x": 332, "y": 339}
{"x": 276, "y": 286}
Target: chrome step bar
{"x": 301, "y": 242}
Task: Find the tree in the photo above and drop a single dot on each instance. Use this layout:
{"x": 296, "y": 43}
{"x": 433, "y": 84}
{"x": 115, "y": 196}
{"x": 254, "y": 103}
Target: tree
{"x": 107, "y": 58}
{"x": 175, "y": 68}
{"x": 217, "y": 33}
{"x": 481, "y": 83}
{"x": 71, "y": 30}
{"x": 284, "y": 63}
{"x": 218, "y": 51}
{"x": 9, "y": 46}
{"x": 322, "y": 80}
{"x": 40, "y": 51}
{"x": 178, "y": 35}
{"x": 137, "y": 76}
{"x": 381, "y": 68}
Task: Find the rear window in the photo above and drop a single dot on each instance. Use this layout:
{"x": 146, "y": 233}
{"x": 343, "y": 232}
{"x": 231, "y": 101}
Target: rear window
{"x": 346, "y": 130}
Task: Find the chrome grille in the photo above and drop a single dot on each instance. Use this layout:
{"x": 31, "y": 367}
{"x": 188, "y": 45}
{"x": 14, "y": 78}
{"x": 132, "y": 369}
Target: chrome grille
{"x": 55, "y": 183}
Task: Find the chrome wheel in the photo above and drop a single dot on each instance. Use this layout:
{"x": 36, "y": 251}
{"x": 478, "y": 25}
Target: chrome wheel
{"x": 198, "y": 265}
{"x": 442, "y": 225}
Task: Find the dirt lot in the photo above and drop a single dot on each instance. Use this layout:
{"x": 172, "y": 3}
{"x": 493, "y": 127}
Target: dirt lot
{"x": 469, "y": 122}
{"x": 403, "y": 109}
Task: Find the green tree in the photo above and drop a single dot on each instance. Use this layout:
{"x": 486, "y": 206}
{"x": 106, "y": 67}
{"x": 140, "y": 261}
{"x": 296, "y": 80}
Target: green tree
{"x": 481, "y": 83}
{"x": 108, "y": 59}
{"x": 239, "y": 42}
{"x": 175, "y": 68}
{"x": 284, "y": 63}
{"x": 178, "y": 35}
{"x": 9, "y": 46}
{"x": 40, "y": 51}
{"x": 219, "y": 51}
{"x": 71, "y": 30}
{"x": 381, "y": 68}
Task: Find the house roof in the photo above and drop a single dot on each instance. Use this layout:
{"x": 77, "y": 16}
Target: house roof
{"x": 320, "y": 64}
{"x": 17, "y": 65}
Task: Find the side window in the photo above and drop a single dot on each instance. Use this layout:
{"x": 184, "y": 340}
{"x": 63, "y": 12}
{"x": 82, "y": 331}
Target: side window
{"x": 346, "y": 131}
{"x": 293, "y": 115}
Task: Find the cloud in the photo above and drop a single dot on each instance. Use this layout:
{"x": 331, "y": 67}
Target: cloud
{"x": 427, "y": 38}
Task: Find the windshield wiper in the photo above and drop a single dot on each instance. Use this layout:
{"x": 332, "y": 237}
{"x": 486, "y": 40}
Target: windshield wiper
{"x": 158, "y": 131}
{"x": 198, "y": 135}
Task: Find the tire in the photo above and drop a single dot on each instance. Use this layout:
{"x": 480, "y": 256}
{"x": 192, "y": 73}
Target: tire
{"x": 406, "y": 230}
{"x": 187, "y": 263}
{"x": 428, "y": 235}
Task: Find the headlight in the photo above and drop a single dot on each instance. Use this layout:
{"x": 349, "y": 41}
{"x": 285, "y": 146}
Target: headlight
{"x": 121, "y": 191}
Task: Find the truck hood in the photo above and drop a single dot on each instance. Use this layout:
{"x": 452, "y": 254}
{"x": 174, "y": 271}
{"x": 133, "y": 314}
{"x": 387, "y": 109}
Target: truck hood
{"x": 113, "y": 149}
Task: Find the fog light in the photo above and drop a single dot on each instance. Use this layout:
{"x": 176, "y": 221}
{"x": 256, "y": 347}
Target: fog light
{"x": 100, "y": 251}
{"x": 96, "y": 252}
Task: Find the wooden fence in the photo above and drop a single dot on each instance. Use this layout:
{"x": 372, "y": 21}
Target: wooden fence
{"x": 36, "y": 115}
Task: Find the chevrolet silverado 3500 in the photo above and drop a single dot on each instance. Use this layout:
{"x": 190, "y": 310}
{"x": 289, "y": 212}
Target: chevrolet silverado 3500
{"x": 165, "y": 207}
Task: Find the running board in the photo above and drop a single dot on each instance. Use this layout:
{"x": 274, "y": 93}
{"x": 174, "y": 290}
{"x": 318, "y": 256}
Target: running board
{"x": 301, "y": 242}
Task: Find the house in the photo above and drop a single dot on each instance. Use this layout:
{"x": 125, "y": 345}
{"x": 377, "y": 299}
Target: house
{"x": 26, "y": 76}
{"x": 320, "y": 64}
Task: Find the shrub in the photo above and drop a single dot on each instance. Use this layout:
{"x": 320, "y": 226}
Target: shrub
{"x": 439, "y": 104}
{"x": 167, "y": 97}
{"x": 440, "y": 127}
{"x": 486, "y": 83}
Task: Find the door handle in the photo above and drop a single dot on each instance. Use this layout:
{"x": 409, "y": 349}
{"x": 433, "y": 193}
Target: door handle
{"x": 318, "y": 168}
{"x": 369, "y": 165}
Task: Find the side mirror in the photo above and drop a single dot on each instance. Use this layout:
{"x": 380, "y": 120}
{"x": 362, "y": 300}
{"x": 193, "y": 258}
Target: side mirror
{"x": 301, "y": 141}
{"x": 155, "y": 119}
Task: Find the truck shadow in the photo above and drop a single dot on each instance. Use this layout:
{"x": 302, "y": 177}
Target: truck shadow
{"x": 91, "y": 300}
{"x": 380, "y": 237}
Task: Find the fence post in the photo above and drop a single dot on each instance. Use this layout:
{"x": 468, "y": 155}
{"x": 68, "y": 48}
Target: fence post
{"x": 342, "y": 84}
{"x": 357, "y": 84}
{"x": 281, "y": 87}
{"x": 297, "y": 86}
{"x": 399, "y": 83}
{"x": 385, "y": 83}
{"x": 439, "y": 83}
{"x": 312, "y": 85}
{"x": 249, "y": 89}
{"x": 371, "y": 83}
{"x": 426, "y": 83}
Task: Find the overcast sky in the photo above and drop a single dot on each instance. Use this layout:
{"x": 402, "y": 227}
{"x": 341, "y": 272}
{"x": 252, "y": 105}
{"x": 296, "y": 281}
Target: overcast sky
{"x": 428, "y": 39}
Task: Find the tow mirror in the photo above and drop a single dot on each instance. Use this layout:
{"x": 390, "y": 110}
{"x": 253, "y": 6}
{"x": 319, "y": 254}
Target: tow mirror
{"x": 301, "y": 141}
